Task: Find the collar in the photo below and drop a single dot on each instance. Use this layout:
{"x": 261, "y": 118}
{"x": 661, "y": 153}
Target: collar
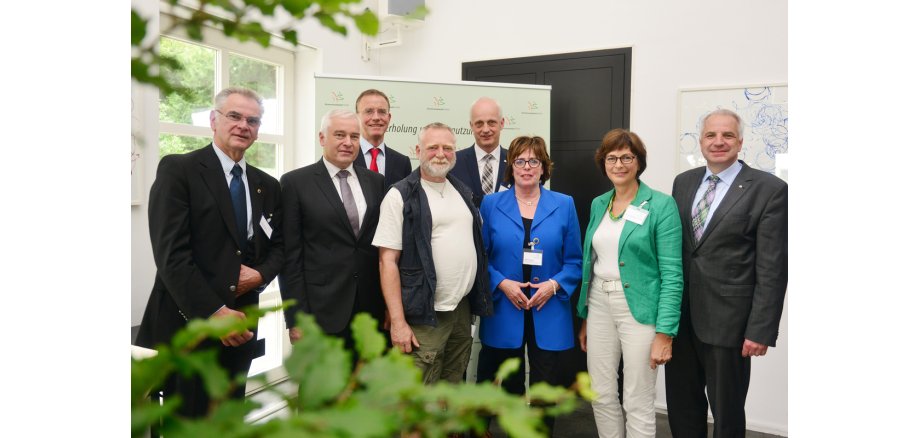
{"x": 226, "y": 162}
{"x": 728, "y": 175}
{"x": 366, "y": 146}
{"x": 333, "y": 170}
{"x": 480, "y": 153}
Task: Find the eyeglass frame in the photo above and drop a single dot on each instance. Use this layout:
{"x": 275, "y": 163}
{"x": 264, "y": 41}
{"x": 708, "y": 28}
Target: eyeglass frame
{"x": 530, "y": 162}
{"x": 612, "y": 159}
{"x": 235, "y": 117}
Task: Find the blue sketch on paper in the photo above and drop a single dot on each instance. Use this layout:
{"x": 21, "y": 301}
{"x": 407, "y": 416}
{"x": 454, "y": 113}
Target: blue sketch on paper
{"x": 764, "y": 111}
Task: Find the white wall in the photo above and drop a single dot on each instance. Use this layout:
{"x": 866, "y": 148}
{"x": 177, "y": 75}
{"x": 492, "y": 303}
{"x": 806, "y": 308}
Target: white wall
{"x": 676, "y": 44}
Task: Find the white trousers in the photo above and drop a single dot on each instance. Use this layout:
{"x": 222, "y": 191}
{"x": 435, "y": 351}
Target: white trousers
{"x": 612, "y": 331}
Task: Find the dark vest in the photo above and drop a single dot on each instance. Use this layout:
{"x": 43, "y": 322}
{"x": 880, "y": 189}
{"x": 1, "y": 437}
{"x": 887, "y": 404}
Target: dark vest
{"x": 416, "y": 263}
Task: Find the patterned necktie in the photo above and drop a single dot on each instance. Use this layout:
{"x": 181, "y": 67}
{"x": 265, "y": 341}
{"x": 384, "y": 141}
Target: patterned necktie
{"x": 351, "y": 208}
{"x": 238, "y": 197}
{"x": 701, "y": 211}
{"x": 487, "y": 184}
{"x": 374, "y": 152}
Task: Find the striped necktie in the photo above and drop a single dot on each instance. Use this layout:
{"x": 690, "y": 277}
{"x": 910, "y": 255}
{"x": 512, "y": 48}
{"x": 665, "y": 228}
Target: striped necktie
{"x": 701, "y": 211}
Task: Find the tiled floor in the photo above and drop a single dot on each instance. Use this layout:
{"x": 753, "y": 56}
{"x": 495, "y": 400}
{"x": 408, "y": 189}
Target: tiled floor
{"x": 580, "y": 424}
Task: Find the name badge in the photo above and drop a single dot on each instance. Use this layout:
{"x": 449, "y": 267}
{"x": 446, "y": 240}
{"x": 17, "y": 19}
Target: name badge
{"x": 266, "y": 227}
{"x": 635, "y": 215}
{"x": 533, "y": 257}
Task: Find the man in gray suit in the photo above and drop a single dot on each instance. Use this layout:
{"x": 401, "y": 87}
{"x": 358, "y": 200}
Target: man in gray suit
{"x": 735, "y": 272}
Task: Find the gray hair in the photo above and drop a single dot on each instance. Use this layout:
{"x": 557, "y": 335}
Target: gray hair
{"x": 221, "y": 97}
{"x": 724, "y": 112}
{"x": 338, "y": 113}
{"x": 434, "y": 125}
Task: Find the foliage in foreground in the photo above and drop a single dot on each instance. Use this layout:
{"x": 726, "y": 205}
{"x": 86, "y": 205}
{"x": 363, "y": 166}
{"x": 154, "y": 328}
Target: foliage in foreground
{"x": 381, "y": 396}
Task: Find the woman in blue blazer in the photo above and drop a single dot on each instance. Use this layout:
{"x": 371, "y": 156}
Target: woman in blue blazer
{"x": 632, "y": 284}
{"x": 533, "y": 242}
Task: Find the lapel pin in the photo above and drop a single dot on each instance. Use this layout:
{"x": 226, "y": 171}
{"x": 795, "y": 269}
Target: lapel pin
{"x": 259, "y": 190}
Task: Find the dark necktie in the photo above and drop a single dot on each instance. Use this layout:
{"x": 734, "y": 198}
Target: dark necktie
{"x": 238, "y": 196}
{"x": 701, "y": 211}
{"x": 374, "y": 152}
{"x": 351, "y": 208}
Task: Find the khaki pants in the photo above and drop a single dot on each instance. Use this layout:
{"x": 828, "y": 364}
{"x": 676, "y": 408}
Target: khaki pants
{"x": 444, "y": 351}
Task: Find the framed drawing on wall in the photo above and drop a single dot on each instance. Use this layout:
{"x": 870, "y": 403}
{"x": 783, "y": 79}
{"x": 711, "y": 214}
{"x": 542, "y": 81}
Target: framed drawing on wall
{"x": 764, "y": 109}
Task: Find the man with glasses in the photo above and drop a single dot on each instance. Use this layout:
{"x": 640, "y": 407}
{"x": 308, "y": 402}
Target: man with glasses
{"x": 482, "y": 166}
{"x": 214, "y": 229}
{"x": 331, "y": 209}
{"x": 373, "y": 108}
{"x": 735, "y": 272}
{"x": 433, "y": 268}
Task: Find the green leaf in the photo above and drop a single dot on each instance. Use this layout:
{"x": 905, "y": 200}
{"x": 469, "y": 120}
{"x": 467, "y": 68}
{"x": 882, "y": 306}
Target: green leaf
{"x": 419, "y": 13}
{"x": 389, "y": 379}
{"x": 290, "y": 36}
{"x": 138, "y": 28}
{"x": 507, "y": 368}
{"x": 319, "y": 364}
{"x": 297, "y": 8}
{"x": 583, "y": 385}
{"x": 328, "y": 22}
{"x": 369, "y": 342}
{"x": 367, "y": 23}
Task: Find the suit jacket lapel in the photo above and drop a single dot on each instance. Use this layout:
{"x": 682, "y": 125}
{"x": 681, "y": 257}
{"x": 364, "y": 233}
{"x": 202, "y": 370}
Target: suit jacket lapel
{"x": 507, "y": 205}
{"x": 502, "y": 163}
{"x": 545, "y": 208}
{"x": 325, "y": 185}
{"x": 213, "y": 175}
{"x": 472, "y": 168}
{"x": 255, "y": 198}
{"x": 644, "y": 194}
{"x": 737, "y": 190}
{"x": 365, "y": 182}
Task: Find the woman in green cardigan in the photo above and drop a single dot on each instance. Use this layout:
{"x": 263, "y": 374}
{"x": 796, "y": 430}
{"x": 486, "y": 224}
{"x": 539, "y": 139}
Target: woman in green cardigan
{"x": 632, "y": 282}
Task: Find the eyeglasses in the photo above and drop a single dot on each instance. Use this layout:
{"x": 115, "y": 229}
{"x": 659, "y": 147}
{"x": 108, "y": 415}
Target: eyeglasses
{"x": 235, "y": 117}
{"x": 370, "y": 112}
{"x": 533, "y": 162}
{"x": 625, "y": 159}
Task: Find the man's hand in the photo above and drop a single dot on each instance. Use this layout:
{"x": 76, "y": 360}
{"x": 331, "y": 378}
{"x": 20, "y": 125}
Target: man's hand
{"x": 295, "y": 334}
{"x": 402, "y": 336}
{"x": 249, "y": 280}
{"x": 751, "y": 348}
{"x": 234, "y": 339}
{"x": 661, "y": 350}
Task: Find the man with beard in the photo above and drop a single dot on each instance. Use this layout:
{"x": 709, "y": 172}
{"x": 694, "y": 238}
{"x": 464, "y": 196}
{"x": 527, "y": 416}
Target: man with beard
{"x": 433, "y": 270}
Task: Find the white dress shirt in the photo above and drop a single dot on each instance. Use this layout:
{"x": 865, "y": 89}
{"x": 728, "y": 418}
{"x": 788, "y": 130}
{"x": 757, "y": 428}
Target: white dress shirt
{"x": 352, "y": 181}
{"x": 480, "y": 154}
{"x": 227, "y": 163}
{"x": 726, "y": 178}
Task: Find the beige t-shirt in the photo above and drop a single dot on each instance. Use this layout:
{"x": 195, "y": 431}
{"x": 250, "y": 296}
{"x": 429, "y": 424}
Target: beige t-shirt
{"x": 606, "y": 245}
{"x": 452, "y": 242}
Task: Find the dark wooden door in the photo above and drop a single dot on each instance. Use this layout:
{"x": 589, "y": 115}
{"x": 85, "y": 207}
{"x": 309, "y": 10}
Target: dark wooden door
{"x": 590, "y": 96}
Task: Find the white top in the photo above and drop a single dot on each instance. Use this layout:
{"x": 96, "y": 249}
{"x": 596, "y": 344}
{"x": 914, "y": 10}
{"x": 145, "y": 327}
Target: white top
{"x": 227, "y": 163}
{"x": 352, "y": 181}
{"x": 366, "y": 147}
{"x": 726, "y": 178}
{"x": 451, "y": 240}
{"x": 481, "y": 164}
{"x": 605, "y": 246}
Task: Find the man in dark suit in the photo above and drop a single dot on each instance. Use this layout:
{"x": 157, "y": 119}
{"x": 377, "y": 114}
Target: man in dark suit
{"x": 330, "y": 216}
{"x": 482, "y": 166}
{"x": 214, "y": 228}
{"x": 735, "y": 273}
{"x": 373, "y": 108}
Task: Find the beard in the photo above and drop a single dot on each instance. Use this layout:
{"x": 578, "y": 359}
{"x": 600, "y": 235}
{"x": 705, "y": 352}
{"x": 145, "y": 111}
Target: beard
{"x": 437, "y": 170}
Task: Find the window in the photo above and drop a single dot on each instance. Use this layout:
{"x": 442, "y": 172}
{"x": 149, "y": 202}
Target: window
{"x": 184, "y": 126}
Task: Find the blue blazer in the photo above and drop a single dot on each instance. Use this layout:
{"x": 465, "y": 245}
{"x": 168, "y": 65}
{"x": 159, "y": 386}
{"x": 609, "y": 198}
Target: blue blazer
{"x": 555, "y": 223}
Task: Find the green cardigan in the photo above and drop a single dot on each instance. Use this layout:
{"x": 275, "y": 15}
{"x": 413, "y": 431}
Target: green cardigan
{"x": 650, "y": 260}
